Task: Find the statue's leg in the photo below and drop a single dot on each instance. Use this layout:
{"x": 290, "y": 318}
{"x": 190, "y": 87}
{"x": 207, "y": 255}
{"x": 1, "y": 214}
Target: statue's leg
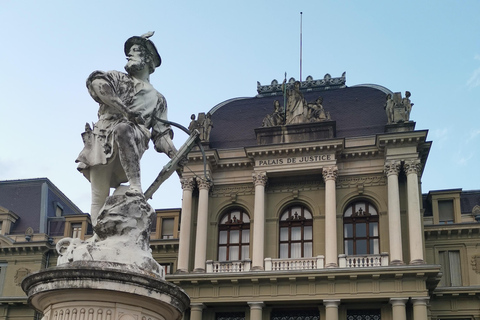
{"x": 100, "y": 183}
{"x": 129, "y": 155}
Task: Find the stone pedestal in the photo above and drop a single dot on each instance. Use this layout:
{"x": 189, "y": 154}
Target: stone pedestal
{"x": 95, "y": 290}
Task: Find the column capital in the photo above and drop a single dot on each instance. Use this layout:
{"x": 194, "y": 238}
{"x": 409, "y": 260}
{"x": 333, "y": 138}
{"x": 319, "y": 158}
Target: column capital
{"x": 331, "y": 303}
{"x": 260, "y": 178}
{"x": 197, "y": 306}
{"x": 392, "y": 167}
{"x": 187, "y": 183}
{"x": 412, "y": 166}
{"x": 256, "y": 305}
{"x": 398, "y": 301}
{"x": 420, "y": 301}
{"x": 203, "y": 183}
{"x": 330, "y": 173}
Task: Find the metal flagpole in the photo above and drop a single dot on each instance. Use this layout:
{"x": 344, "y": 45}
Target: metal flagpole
{"x": 301, "y": 15}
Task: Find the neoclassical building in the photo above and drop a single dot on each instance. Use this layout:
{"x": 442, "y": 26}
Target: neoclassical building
{"x": 304, "y": 203}
{"x": 309, "y": 205}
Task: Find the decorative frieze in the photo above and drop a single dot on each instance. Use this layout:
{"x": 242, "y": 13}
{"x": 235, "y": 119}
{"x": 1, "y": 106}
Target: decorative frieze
{"x": 228, "y": 191}
{"x": 367, "y": 181}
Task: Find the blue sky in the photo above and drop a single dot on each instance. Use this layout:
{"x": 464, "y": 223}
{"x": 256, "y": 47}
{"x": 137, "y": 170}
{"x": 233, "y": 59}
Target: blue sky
{"x": 216, "y": 50}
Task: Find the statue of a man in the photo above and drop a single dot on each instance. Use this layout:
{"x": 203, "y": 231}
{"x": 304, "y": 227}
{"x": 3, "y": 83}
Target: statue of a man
{"x": 408, "y": 105}
{"x": 131, "y": 113}
{"x": 389, "y": 108}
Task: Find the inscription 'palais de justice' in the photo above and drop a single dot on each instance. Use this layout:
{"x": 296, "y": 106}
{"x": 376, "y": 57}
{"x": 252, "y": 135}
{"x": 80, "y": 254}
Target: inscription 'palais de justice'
{"x": 295, "y": 160}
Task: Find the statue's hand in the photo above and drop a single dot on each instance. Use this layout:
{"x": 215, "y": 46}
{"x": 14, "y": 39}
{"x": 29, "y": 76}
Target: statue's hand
{"x": 135, "y": 117}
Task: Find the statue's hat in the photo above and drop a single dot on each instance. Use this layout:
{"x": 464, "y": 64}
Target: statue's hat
{"x": 146, "y": 43}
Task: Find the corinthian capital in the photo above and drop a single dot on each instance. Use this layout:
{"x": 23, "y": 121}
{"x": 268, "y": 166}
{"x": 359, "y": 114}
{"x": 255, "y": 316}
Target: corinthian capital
{"x": 330, "y": 173}
{"x": 392, "y": 167}
{"x": 203, "y": 184}
{"x": 187, "y": 183}
{"x": 412, "y": 166}
{"x": 259, "y": 178}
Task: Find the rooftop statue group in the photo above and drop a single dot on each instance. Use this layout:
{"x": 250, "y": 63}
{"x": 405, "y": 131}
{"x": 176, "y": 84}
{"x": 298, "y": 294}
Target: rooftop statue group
{"x": 297, "y": 110}
{"x": 131, "y": 113}
{"x": 397, "y": 108}
{"x": 203, "y": 123}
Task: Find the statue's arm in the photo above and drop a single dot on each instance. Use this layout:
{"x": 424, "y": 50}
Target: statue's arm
{"x": 102, "y": 92}
{"x": 162, "y": 133}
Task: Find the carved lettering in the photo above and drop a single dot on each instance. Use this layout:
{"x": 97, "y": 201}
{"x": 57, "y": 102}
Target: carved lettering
{"x": 295, "y": 160}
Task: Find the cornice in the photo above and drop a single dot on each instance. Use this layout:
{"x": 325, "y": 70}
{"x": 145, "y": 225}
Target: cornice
{"x": 452, "y": 231}
{"x": 327, "y": 146}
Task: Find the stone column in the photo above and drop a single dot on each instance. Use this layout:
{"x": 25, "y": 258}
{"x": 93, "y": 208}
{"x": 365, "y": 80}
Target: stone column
{"x": 392, "y": 169}
{"x": 260, "y": 180}
{"x": 202, "y": 226}
{"x": 420, "y": 308}
{"x": 256, "y": 310}
{"x": 185, "y": 230}
{"x": 398, "y": 308}
{"x": 196, "y": 310}
{"x": 412, "y": 168}
{"x": 331, "y": 309}
{"x": 331, "y": 256}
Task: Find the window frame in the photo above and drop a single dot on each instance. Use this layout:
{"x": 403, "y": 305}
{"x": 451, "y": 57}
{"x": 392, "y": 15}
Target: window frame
{"x": 293, "y": 222}
{"x": 361, "y": 217}
{"x": 234, "y": 224}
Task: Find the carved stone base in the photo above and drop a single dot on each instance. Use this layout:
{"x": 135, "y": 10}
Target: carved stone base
{"x": 96, "y": 290}
{"x": 296, "y": 133}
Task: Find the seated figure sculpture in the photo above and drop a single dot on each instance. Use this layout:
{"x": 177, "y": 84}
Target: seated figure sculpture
{"x": 131, "y": 113}
{"x": 277, "y": 118}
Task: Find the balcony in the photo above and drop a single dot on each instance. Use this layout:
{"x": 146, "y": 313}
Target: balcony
{"x": 228, "y": 266}
{"x": 294, "y": 264}
{"x": 314, "y": 263}
{"x": 363, "y": 261}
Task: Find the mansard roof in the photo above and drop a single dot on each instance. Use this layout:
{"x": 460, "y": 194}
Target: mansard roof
{"x": 357, "y": 110}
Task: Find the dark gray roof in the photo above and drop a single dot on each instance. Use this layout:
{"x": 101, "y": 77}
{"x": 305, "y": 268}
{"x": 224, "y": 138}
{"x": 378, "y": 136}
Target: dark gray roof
{"x": 358, "y": 111}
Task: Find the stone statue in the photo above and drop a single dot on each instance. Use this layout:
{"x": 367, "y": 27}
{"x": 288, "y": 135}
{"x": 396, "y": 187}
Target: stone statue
{"x": 277, "y": 118}
{"x": 193, "y": 124}
{"x": 207, "y": 126}
{"x": 316, "y": 112}
{"x": 296, "y": 105}
{"x": 130, "y": 114}
{"x": 407, "y": 105}
{"x": 389, "y": 106}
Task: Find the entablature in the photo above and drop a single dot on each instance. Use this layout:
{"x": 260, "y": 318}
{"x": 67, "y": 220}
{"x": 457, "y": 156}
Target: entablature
{"x": 452, "y": 231}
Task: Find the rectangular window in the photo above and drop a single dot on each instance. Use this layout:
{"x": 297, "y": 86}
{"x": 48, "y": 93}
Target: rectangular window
{"x": 445, "y": 211}
{"x": 76, "y": 230}
{"x": 167, "y": 228}
{"x": 451, "y": 267}
{"x": 168, "y": 267}
{"x": 3, "y": 269}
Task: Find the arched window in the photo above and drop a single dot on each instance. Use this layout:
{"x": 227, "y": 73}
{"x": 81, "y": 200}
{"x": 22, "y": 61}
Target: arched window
{"x": 360, "y": 229}
{"x": 296, "y": 233}
{"x": 234, "y": 236}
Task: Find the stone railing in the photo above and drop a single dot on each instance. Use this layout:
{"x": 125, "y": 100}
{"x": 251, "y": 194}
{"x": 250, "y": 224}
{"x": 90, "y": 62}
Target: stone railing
{"x": 294, "y": 264}
{"x": 363, "y": 261}
{"x": 228, "y": 266}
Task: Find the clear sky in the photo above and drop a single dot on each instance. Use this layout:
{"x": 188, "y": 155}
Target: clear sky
{"x": 216, "y": 50}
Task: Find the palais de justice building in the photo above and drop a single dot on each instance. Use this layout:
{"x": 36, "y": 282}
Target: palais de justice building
{"x": 308, "y": 206}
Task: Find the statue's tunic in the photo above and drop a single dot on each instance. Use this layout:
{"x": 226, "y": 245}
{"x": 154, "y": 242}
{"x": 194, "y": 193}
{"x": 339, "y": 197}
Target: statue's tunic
{"x": 138, "y": 96}
{"x": 295, "y": 107}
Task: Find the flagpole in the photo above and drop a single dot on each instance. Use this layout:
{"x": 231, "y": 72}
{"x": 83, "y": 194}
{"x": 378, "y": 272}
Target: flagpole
{"x": 301, "y": 15}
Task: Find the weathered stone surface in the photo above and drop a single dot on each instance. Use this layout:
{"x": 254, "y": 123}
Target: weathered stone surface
{"x": 121, "y": 235}
{"x": 104, "y": 288}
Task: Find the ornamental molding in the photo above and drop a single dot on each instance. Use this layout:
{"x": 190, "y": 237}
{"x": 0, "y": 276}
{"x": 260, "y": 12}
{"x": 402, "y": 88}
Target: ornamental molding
{"x": 392, "y": 167}
{"x": 228, "y": 191}
{"x": 367, "y": 181}
{"x": 327, "y": 83}
{"x": 260, "y": 178}
{"x": 330, "y": 173}
{"x": 295, "y": 186}
{"x": 412, "y": 166}
{"x": 476, "y": 263}
{"x": 187, "y": 183}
